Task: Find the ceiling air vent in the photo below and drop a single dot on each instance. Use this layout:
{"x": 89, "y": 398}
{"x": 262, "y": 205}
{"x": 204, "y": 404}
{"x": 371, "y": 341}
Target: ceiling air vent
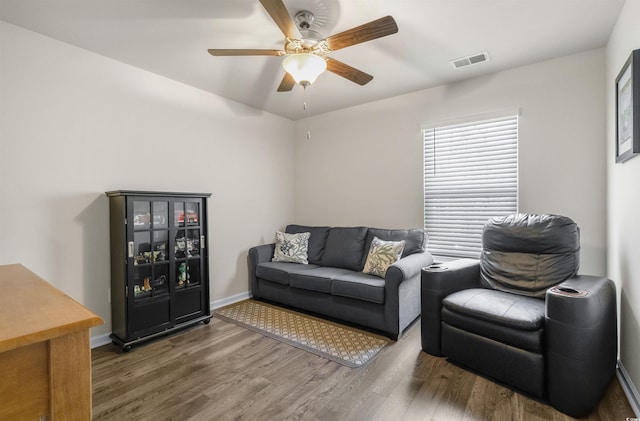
{"x": 469, "y": 60}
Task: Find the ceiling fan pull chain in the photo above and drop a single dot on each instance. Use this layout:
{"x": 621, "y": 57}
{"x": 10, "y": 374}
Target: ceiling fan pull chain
{"x": 306, "y": 107}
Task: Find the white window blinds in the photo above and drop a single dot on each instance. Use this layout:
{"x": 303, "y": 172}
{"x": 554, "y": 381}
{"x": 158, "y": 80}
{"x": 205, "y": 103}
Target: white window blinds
{"x": 470, "y": 175}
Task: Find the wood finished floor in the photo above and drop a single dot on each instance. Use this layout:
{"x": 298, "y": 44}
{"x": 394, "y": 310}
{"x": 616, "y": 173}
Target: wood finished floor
{"x": 221, "y": 371}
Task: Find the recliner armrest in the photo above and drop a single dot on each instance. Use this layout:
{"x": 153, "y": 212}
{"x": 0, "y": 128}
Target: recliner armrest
{"x": 435, "y": 286}
{"x": 582, "y": 342}
{"x": 456, "y": 276}
{"x": 572, "y": 301}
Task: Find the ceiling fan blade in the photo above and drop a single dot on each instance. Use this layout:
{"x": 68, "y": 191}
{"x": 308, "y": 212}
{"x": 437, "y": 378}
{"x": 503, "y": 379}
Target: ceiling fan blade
{"x": 367, "y": 32}
{"x": 280, "y": 16}
{"x": 348, "y": 72}
{"x": 287, "y": 83}
{"x": 244, "y": 52}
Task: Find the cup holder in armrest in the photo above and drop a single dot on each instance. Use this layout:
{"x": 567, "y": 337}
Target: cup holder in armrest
{"x": 568, "y": 291}
{"x": 436, "y": 267}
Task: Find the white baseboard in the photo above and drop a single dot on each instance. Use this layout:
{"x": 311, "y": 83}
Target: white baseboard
{"x": 100, "y": 340}
{"x": 230, "y": 300}
{"x": 104, "y": 339}
{"x": 629, "y": 388}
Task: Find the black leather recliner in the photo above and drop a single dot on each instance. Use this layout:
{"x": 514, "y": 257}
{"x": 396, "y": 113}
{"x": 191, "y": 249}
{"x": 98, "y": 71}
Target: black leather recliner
{"x": 523, "y": 316}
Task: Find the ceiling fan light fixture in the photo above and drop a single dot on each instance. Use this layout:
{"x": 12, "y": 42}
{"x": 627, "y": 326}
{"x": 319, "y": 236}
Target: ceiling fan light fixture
{"x": 304, "y": 67}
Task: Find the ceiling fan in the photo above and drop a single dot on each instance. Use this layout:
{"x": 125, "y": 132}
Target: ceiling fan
{"x": 307, "y": 50}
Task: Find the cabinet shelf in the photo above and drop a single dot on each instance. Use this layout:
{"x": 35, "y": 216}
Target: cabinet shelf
{"x": 149, "y": 296}
{"x": 159, "y": 263}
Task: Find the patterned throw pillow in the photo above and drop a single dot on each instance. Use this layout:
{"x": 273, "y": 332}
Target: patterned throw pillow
{"x": 291, "y": 248}
{"x": 382, "y": 254}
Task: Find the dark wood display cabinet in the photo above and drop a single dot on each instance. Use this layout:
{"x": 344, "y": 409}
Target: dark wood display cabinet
{"x": 159, "y": 263}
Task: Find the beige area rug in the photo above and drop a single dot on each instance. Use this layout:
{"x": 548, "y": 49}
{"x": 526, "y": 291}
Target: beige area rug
{"x": 342, "y": 344}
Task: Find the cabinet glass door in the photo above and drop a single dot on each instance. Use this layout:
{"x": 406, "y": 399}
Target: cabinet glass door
{"x": 160, "y": 215}
{"x": 186, "y": 213}
{"x": 149, "y": 249}
{"x": 188, "y": 274}
{"x": 187, "y": 244}
{"x": 141, "y": 215}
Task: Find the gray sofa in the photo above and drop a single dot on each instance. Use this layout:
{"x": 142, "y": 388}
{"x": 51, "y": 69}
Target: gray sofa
{"x": 332, "y": 283}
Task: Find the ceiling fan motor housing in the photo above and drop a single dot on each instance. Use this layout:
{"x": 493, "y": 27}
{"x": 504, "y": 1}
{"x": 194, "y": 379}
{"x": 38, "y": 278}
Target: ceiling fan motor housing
{"x": 304, "y": 19}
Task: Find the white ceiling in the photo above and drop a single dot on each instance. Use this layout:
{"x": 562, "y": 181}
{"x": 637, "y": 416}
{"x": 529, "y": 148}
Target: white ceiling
{"x": 171, "y": 38}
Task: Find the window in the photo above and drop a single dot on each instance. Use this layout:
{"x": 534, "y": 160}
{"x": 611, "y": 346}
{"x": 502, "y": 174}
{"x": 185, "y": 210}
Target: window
{"x": 470, "y": 175}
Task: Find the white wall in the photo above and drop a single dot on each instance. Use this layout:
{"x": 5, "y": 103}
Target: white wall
{"x": 363, "y": 165}
{"x": 74, "y": 124}
{"x": 623, "y": 201}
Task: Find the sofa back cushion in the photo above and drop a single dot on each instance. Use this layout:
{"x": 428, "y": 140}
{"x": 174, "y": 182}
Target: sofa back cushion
{"x": 415, "y": 240}
{"x": 527, "y": 254}
{"x": 345, "y": 248}
{"x": 317, "y": 240}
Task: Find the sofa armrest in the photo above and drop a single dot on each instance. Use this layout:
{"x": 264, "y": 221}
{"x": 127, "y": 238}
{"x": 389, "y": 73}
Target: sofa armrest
{"x": 402, "y": 291}
{"x": 582, "y": 342}
{"x": 406, "y": 268}
{"x": 262, "y": 253}
{"x": 256, "y": 255}
{"x": 435, "y": 286}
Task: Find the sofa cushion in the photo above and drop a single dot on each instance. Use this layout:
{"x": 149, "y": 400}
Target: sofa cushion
{"x": 317, "y": 240}
{"x": 318, "y": 279}
{"x": 512, "y": 319}
{"x": 344, "y": 248}
{"x": 291, "y": 247}
{"x": 415, "y": 239}
{"x": 279, "y": 271}
{"x": 382, "y": 254}
{"x": 360, "y": 286}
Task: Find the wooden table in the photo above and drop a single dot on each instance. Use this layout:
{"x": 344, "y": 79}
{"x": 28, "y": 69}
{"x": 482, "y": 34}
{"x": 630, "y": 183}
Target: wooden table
{"x": 45, "y": 357}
